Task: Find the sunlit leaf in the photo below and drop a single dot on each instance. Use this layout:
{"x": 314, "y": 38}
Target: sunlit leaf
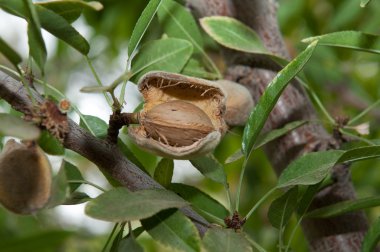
{"x": 210, "y": 168}
{"x": 70, "y": 9}
{"x": 344, "y": 207}
{"x": 233, "y": 34}
{"x": 269, "y": 99}
{"x": 9, "y": 53}
{"x": 209, "y": 207}
{"x": 173, "y": 229}
{"x": 164, "y": 172}
{"x": 142, "y": 25}
{"x": 372, "y": 237}
{"x": 226, "y": 240}
{"x": 363, "y": 3}
{"x": 51, "y": 22}
{"x": 282, "y": 208}
{"x": 165, "y": 55}
{"x": 36, "y": 42}
{"x": 14, "y": 126}
{"x": 95, "y": 89}
{"x": 119, "y": 205}
{"x": 349, "y": 39}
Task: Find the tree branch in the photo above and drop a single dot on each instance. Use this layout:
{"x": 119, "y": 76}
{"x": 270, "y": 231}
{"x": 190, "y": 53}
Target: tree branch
{"x": 343, "y": 233}
{"x": 102, "y": 153}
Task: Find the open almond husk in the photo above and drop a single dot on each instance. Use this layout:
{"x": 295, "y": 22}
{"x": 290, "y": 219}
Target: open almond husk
{"x": 182, "y": 117}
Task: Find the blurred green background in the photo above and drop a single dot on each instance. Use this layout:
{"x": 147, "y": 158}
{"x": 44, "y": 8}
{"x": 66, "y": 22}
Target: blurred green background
{"x": 346, "y": 81}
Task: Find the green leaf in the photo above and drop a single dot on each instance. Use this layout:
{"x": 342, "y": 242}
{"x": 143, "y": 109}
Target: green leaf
{"x": 36, "y": 42}
{"x": 119, "y": 205}
{"x": 307, "y": 197}
{"x": 161, "y": 55}
{"x": 76, "y": 198}
{"x": 313, "y": 167}
{"x": 42, "y": 242}
{"x": 235, "y": 156}
{"x": 208, "y": 207}
{"x": 164, "y": 172}
{"x": 59, "y": 188}
{"x": 178, "y": 22}
{"x": 70, "y": 10}
{"x": 129, "y": 244}
{"x": 129, "y": 154}
{"x": 282, "y": 208}
{"x": 95, "y": 89}
{"x": 226, "y": 240}
{"x": 349, "y": 39}
{"x": 173, "y": 229}
{"x": 50, "y": 144}
{"x": 142, "y": 25}
{"x": 233, "y": 34}
{"x": 210, "y": 168}
{"x": 72, "y": 173}
{"x": 372, "y": 237}
{"x": 269, "y": 99}
{"x": 9, "y": 53}
{"x": 274, "y": 134}
{"x": 309, "y": 169}
{"x": 194, "y": 68}
{"x": 94, "y": 125}
{"x": 344, "y": 207}
{"x": 363, "y": 3}
{"x": 51, "y": 22}
{"x": 16, "y": 127}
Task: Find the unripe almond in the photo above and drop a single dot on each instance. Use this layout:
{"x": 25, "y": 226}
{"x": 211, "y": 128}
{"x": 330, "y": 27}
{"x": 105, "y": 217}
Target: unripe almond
{"x": 177, "y": 123}
{"x": 25, "y": 178}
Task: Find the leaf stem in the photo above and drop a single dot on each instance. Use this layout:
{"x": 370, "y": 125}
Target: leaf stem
{"x": 363, "y": 113}
{"x": 228, "y": 192}
{"x": 238, "y": 192}
{"x": 79, "y": 181}
{"x": 89, "y": 62}
{"x": 259, "y": 202}
{"x": 110, "y": 237}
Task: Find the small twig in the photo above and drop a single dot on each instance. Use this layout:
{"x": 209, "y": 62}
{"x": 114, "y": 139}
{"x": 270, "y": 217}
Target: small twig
{"x": 117, "y": 121}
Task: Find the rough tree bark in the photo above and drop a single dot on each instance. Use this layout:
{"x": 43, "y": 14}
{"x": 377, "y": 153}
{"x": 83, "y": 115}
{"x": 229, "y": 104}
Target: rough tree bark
{"x": 343, "y": 233}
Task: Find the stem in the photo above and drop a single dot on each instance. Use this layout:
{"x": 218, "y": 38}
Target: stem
{"x": 228, "y": 192}
{"x": 363, "y": 113}
{"x": 27, "y": 87}
{"x": 356, "y": 137}
{"x": 259, "y": 202}
{"x": 110, "y": 237}
{"x": 211, "y": 217}
{"x": 293, "y": 233}
{"x": 240, "y": 184}
{"x": 98, "y": 79}
{"x": 79, "y": 181}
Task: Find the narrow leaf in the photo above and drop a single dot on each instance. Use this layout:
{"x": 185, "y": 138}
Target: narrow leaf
{"x": 234, "y": 157}
{"x": 309, "y": 169}
{"x": 119, "y": 205}
{"x": 94, "y": 125}
{"x": 76, "y": 198}
{"x": 14, "y": 126}
{"x": 178, "y": 22}
{"x": 210, "y": 168}
{"x": 51, "y": 22}
{"x": 36, "y": 42}
{"x": 194, "y": 68}
{"x": 59, "y": 189}
{"x": 164, "y": 172}
{"x": 173, "y": 229}
{"x": 344, "y": 207}
{"x": 233, "y": 34}
{"x": 142, "y": 25}
{"x": 349, "y": 39}
{"x": 282, "y": 208}
{"x": 268, "y": 100}
{"x": 199, "y": 200}
{"x": 72, "y": 173}
{"x": 70, "y": 10}
{"x": 372, "y": 237}
{"x": 9, "y": 53}
{"x": 129, "y": 244}
{"x": 165, "y": 55}
{"x": 226, "y": 240}
{"x": 95, "y": 89}
{"x": 307, "y": 197}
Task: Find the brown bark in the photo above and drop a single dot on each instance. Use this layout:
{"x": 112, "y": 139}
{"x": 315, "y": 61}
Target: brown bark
{"x": 104, "y": 154}
{"x": 343, "y": 233}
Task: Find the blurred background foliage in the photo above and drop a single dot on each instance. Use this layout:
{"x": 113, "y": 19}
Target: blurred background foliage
{"x": 346, "y": 81}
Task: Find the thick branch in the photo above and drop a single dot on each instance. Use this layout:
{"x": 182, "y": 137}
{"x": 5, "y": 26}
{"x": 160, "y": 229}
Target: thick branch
{"x": 102, "y": 153}
{"x": 343, "y": 233}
